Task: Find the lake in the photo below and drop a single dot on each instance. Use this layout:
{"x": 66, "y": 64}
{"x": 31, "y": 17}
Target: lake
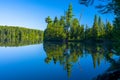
{"x": 57, "y": 61}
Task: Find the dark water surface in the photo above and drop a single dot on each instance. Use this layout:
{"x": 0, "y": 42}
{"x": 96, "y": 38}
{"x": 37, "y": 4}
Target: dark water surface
{"x": 57, "y": 61}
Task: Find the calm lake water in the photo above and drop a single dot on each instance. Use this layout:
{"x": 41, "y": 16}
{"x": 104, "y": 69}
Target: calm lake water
{"x": 56, "y": 61}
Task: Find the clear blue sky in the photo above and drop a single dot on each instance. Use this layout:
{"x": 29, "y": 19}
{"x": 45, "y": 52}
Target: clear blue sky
{"x": 32, "y": 13}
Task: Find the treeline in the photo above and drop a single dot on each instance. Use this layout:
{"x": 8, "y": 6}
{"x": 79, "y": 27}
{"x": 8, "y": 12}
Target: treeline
{"x": 68, "y": 28}
{"x": 17, "y": 36}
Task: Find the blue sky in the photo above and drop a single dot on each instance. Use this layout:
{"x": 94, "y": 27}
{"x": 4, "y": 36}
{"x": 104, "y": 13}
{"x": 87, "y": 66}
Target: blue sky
{"x": 32, "y": 13}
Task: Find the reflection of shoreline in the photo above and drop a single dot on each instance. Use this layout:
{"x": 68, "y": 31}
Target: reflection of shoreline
{"x": 19, "y": 43}
{"x": 68, "y": 54}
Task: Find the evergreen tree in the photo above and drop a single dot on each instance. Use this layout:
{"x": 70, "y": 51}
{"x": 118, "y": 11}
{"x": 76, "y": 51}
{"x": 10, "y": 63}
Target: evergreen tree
{"x": 55, "y": 31}
{"x": 69, "y": 16}
{"x": 62, "y": 21}
{"x": 95, "y": 28}
{"x": 68, "y": 28}
{"x": 76, "y": 31}
{"x": 101, "y": 29}
{"x": 48, "y": 20}
{"x": 74, "y": 28}
{"x": 55, "y": 20}
{"x": 109, "y": 29}
{"x": 18, "y": 36}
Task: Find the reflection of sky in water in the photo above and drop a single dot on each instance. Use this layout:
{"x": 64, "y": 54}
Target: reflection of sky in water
{"x": 87, "y": 70}
{"x": 115, "y": 57}
{"x": 28, "y": 63}
{"x": 16, "y": 54}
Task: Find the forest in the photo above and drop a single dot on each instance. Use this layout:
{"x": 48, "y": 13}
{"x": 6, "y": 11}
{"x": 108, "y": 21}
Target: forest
{"x": 81, "y": 44}
{"x": 18, "y": 36}
{"x": 68, "y": 28}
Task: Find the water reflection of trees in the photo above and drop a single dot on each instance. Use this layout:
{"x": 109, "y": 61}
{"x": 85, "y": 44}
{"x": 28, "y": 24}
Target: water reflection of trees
{"x": 65, "y": 54}
{"x": 68, "y": 54}
{"x": 18, "y": 42}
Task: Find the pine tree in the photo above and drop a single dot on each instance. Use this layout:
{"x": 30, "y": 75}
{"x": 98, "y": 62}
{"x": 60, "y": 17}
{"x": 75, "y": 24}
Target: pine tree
{"x": 48, "y": 20}
{"x": 101, "y": 29}
{"x": 56, "y": 20}
{"x": 62, "y": 21}
{"x": 95, "y": 28}
{"x": 69, "y": 16}
{"x": 74, "y": 28}
{"x": 109, "y": 29}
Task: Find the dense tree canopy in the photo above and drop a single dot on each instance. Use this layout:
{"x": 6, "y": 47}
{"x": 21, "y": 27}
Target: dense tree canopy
{"x": 12, "y": 36}
{"x": 65, "y": 28}
{"x": 68, "y": 28}
{"x": 108, "y": 6}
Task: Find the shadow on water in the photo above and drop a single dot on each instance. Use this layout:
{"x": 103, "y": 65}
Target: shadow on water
{"x": 70, "y": 53}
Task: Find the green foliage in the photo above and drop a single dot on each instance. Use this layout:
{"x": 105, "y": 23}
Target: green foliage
{"x": 76, "y": 31}
{"x": 109, "y": 29}
{"x": 16, "y": 35}
{"x": 116, "y": 30}
{"x": 88, "y": 33}
{"x": 48, "y": 20}
{"x": 95, "y": 28}
{"x": 62, "y": 21}
{"x": 111, "y": 6}
{"x": 56, "y": 20}
{"x": 101, "y": 29}
{"x": 73, "y": 30}
{"x": 58, "y": 29}
{"x": 68, "y": 28}
{"x": 54, "y": 32}
{"x": 69, "y": 16}
{"x": 99, "y": 32}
